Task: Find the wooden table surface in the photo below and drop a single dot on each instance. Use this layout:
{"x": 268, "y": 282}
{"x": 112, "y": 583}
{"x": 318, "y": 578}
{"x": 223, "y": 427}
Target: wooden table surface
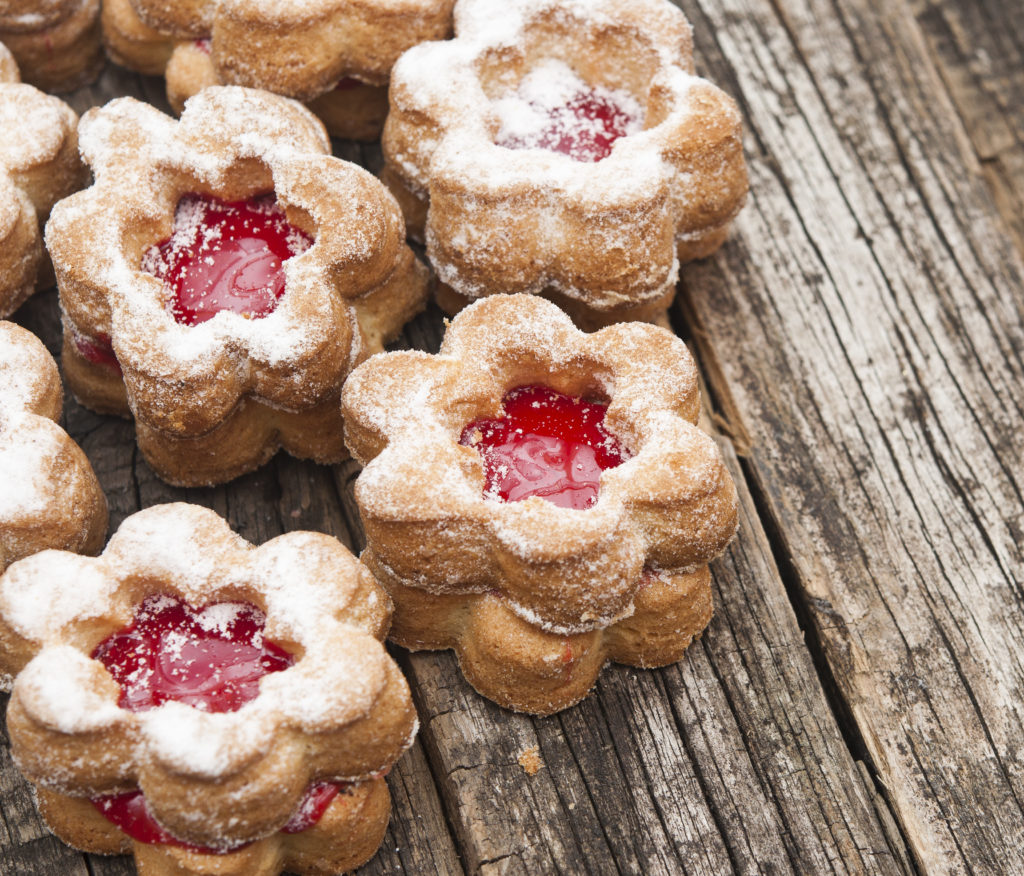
{"x": 856, "y": 704}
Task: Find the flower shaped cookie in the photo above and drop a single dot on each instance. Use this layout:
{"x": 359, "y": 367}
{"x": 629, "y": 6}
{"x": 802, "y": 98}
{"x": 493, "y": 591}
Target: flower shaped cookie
{"x": 39, "y": 165}
{"x": 337, "y": 54}
{"x": 504, "y": 212}
{"x": 216, "y": 398}
{"x": 535, "y": 597}
{"x": 50, "y": 496}
{"x": 56, "y": 42}
{"x": 332, "y": 707}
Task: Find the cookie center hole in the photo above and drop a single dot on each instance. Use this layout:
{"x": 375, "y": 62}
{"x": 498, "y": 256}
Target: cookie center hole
{"x": 555, "y": 109}
{"x": 211, "y": 658}
{"x": 225, "y": 255}
{"x": 547, "y": 444}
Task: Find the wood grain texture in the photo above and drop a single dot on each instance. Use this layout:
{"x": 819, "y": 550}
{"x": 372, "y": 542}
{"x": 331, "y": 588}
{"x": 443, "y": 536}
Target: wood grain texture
{"x": 866, "y": 324}
{"x": 730, "y": 761}
{"x": 862, "y": 337}
{"x": 978, "y": 48}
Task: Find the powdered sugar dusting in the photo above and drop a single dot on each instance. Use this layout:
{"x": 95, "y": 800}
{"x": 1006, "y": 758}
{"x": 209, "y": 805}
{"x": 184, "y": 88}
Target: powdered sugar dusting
{"x": 64, "y": 691}
{"x": 205, "y": 745}
{"x": 26, "y": 370}
{"x": 494, "y": 345}
{"x": 30, "y": 454}
{"x": 50, "y": 497}
{"x": 221, "y": 616}
{"x": 484, "y": 130}
{"x": 554, "y": 109}
{"x": 320, "y": 604}
{"x": 36, "y": 601}
{"x": 42, "y": 123}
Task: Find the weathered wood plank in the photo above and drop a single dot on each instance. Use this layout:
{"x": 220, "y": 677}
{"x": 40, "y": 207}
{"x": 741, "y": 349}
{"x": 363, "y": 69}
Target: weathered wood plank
{"x": 730, "y": 761}
{"x": 866, "y": 327}
{"x": 979, "y": 50}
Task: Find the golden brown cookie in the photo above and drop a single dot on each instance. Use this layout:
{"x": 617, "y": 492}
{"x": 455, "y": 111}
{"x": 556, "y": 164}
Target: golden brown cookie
{"x": 563, "y": 149}
{"x": 209, "y": 705}
{"x": 335, "y": 54}
{"x": 533, "y": 595}
{"x": 215, "y": 394}
{"x": 56, "y": 42}
{"x": 50, "y": 496}
{"x": 39, "y": 165}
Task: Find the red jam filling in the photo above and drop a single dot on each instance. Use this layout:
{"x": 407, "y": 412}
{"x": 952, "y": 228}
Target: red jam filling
{"x": 130, "y": 813}
{"x": 547, "y": 444}
{"x": 585, "y": 128}
{"x": 347, "y": 84}
{"x": 225, "y": 255}
{"x": 313, "y": 806}
{"x": 97, "y": 350}
{"x": 210, "y": 658}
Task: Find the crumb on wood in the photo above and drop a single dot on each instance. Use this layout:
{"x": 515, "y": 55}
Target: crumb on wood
{"x": 530, "y": 761}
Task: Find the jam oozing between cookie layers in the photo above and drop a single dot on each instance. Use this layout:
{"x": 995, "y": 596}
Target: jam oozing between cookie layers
{"x": 131, "y": 814}
{"x": 225, "y": 255}
{"x": 210, "y": 658}
{"x": 98, "y": 350}
{"x": 556, "y": 110}
{"x": 547, "y": 444}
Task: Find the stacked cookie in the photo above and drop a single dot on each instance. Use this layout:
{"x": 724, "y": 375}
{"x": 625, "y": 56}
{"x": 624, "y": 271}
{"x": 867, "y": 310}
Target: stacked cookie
{"x": 536, "y": 498}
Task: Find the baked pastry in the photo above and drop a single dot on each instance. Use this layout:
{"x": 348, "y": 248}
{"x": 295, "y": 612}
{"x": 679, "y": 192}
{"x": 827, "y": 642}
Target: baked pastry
{"x": 8, "y": 66}
{"x": 39, "y": 165}
{"x": 56, "y": 42}
{"x": 539, "y": 499}
{"x": 221, "y": 278}
{"x": 334, "y": 54}
{"x": 200, "y": 701}
{"x": 563, "y": 148}
{"x": 50, "y": 496}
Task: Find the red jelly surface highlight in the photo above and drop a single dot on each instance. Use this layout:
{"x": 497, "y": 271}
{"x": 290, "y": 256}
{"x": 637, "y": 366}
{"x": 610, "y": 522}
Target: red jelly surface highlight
{"x": 547, "y": 444}
{"x": 225, "y": 255}
{"x": 130, "y": 813}
{"x": 210, "y": 658}
{"x": 585, "y": 128}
